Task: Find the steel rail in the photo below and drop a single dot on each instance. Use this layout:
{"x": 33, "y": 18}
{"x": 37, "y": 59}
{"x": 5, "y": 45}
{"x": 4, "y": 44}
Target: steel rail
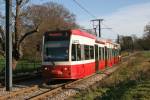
{"x": 55, "y": 90}
{"x": 13, "y": 94}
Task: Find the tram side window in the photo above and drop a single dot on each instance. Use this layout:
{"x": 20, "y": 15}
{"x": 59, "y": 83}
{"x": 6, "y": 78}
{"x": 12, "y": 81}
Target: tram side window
{"x": 103, "y": 52}
{"x": 74, "y": 53}
{"x": 92, "y": 52}
{"x": 86, "y": 52}
{"x": 110, "y": 54}
{"x": 78, "y": 52}
{"x": 100, "y": 53}
{"x": 114, "y": 53}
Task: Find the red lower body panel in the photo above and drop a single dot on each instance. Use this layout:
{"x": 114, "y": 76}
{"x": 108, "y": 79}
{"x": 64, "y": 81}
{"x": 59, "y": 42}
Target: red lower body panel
{"x": 80, "y": 71}
{"x": 110, "y": 62}
{"x": 101, "y": 64}
{"x": 116, "y": 60}
{"x": 68, "y": 72}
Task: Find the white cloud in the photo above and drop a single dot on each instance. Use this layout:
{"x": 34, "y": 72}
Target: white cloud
{"x": 126, "y": 21}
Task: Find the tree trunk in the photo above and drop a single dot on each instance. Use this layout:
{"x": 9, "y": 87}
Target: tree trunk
{"x": 14, "y": 63}
{"x": 15, "y": 57}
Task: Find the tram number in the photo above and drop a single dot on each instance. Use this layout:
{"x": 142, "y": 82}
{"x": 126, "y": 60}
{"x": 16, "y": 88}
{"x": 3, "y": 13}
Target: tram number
{"x": 75, "y": 41}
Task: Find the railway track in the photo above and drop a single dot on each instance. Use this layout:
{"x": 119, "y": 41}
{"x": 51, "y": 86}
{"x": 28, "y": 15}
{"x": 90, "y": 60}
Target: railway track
{"x": 58, "y": 90}
{"x": 21, "y": 78}
{"x": 37, "y": 92}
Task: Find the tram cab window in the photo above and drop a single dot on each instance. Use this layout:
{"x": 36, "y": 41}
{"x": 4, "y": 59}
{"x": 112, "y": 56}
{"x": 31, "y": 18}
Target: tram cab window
{"x": 86, "y": 52}
{"x": 56, "y": 51}
{"x": 91, "y": 52}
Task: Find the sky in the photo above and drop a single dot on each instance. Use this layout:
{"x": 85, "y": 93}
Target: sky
{"x": 125, "y": 17}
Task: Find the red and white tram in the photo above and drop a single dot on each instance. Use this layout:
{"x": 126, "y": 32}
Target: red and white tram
{"x": 74, "y": 54}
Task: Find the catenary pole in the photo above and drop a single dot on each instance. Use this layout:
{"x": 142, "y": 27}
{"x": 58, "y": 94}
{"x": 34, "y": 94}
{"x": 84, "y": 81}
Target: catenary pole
{"x": 99, "y": 24}
{"x": 8, "y": 47}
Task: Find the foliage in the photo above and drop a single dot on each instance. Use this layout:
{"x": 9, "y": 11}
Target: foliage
{"x": 130, "y": 43}
{"x": 126, "y": 43}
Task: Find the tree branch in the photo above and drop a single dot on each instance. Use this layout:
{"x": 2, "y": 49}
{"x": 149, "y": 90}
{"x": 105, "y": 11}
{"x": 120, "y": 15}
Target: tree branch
{"x": 2, "y": 53}
{"x": 27, "y": 34}
{"x": 2, "y": 33}
{"x": 19, "y": 2}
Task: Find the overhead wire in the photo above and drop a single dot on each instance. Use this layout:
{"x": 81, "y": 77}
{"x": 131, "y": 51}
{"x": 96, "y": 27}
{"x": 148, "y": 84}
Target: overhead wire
{"x": 83, "y": 8}
{"x": 111, "y": 30}
{"x": 92, "y": 15}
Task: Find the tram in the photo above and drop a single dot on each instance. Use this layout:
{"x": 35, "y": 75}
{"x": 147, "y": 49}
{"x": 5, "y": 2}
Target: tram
{"x": 74, "y": 54}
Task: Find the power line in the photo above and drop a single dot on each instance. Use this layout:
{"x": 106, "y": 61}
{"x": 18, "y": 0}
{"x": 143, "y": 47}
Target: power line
{"x": 83, "y": 8}
{"x": 110, "y": 29}
{"x": 92, "y": 15}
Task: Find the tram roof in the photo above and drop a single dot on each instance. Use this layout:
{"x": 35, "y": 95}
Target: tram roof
{"x": 82, "y": 33}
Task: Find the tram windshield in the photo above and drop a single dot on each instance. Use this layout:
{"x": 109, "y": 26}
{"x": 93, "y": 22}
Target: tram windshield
{"x": 56, "y": 47}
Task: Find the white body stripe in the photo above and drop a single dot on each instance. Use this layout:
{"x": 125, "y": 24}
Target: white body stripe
{"x": 82, "y": 40}
{"x": 70, "y": 63}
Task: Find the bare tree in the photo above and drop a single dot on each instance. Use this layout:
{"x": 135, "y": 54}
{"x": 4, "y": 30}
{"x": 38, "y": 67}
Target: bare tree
{"x": 147, "y": 32}
{"x": 29, "y": 19}
{"x": 126, "y": 43}
{"x": 18, "y": 35}
{"x": 49, "y": 16}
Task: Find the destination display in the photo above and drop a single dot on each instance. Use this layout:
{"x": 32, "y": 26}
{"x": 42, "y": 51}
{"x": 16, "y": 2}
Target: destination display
{"x": 56, "y": 36}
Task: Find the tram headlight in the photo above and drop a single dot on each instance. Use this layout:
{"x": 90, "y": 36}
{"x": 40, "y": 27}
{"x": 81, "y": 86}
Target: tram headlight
{"x": 45, "y": 68}
{"x": 65, "y": 69}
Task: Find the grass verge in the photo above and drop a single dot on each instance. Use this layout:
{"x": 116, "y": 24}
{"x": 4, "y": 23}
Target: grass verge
{"x": 130, "y": 82}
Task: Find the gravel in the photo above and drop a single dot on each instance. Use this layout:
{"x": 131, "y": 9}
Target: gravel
{"x": 76, "y": 88}
{"x": 61, "y": 95}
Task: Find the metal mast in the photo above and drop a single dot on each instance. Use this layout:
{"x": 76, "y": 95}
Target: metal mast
{"x": 8, "y": 48}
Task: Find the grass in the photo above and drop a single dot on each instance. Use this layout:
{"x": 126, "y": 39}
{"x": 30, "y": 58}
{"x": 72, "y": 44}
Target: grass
{"x": 130, "y": 82}
{"x": 124, "y": 53}
{"x": 22, "y": 66}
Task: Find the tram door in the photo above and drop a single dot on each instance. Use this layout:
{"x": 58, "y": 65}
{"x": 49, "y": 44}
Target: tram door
{"x": 96, "y": 58}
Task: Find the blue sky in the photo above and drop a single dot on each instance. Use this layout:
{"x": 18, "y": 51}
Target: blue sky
{"x": 125, "y": 17}
{"x": 96, "y": 7}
